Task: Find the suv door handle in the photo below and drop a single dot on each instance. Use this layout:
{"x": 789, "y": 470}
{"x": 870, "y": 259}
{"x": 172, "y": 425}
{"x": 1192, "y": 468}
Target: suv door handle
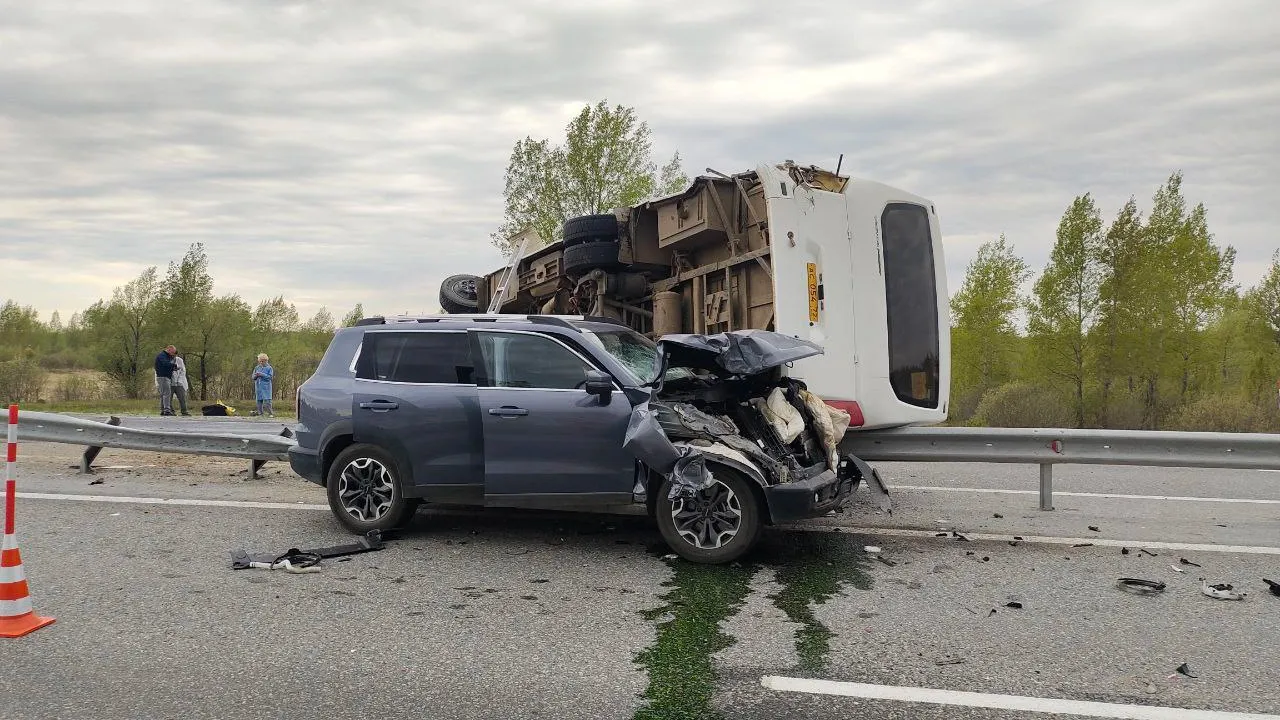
{"x": 508, "y": 411}
{"x": 379, "y": 405}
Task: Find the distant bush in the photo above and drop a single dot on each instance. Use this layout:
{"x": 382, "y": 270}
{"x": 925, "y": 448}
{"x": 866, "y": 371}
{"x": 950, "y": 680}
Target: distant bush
{"x": 78, "y": 388}
{"x": 1022, "y": 404}
{"x": 21, "y": 380}
{"x": 1225, "y": 413}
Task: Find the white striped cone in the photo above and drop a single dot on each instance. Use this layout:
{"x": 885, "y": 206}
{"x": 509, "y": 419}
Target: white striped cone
{"x": 16, "y": 615}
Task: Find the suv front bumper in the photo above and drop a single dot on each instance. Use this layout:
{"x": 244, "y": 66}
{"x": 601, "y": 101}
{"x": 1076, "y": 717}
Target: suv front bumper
{"x": 809, "y": 498}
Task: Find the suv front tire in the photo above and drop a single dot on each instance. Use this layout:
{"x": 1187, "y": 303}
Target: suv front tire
{"x": 364, "y": 489}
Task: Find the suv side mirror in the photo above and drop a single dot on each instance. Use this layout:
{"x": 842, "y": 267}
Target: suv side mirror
{"x": 599, "y": 383}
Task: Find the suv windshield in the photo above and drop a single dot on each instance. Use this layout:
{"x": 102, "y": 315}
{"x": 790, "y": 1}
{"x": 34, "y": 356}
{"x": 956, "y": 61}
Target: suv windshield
{"x": 637, "y": 353}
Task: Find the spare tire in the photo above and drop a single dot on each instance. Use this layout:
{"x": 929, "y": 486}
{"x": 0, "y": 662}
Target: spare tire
{"x": 589, "y": 227}
{"x": 588, "y": 256}
{"x": 458, "y": 294}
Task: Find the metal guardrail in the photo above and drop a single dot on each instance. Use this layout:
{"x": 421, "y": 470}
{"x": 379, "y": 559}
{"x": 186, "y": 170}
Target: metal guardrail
{"x": 1047, "y": 447}
{"x": 57, "y": 428}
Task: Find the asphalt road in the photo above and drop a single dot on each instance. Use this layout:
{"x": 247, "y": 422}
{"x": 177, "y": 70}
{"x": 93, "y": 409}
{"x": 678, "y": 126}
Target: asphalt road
{"x": 518, "y": 614}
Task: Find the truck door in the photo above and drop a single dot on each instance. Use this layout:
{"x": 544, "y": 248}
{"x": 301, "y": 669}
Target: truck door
{"x": 414, "y": 397}
{"x": 547, "y": 442}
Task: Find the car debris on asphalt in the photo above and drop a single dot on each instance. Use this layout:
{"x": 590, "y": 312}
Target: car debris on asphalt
{"x": 1139, "y": 586}
{"x": 299, "y": 561}
{"x": 1220, "y": 591}
{"x": 1275, "y": 586}
{"x": 1185, "y": 669}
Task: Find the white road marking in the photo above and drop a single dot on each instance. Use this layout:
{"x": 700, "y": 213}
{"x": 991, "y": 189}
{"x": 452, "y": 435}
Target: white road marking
{"x": 1000, "y": 702}
{"x": 1113, "y": 496}
{"x": 1046, "y": 540}
{"x": 890, "y": 532}
{"x": 170, "y": 501}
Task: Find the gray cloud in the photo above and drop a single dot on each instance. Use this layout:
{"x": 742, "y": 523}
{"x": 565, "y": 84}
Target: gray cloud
{"x": 353, "y": 152}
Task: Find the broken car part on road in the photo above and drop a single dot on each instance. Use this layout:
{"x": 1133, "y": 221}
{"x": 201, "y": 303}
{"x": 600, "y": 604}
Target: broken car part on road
{"x": 1138, "y": 586}
{"x": 295, "y": 560}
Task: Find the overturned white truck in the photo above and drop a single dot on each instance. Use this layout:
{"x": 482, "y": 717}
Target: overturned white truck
{"x": 852, "y": 265}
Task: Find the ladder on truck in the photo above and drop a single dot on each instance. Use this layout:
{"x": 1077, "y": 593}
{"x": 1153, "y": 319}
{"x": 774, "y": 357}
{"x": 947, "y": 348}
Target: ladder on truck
{"x": 499, "y": 297}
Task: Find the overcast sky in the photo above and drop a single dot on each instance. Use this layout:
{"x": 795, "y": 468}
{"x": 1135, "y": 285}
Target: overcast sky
{"x": 344, "y": 152}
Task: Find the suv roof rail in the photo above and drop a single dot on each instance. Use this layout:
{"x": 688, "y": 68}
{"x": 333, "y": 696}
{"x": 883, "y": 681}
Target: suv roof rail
{"x": 375, "y": 320}
{"x": 553, "y": 320}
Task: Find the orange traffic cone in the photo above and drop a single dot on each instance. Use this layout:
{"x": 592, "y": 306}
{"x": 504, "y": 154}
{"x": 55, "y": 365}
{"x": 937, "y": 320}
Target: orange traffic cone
{"x": 16, "y": 616}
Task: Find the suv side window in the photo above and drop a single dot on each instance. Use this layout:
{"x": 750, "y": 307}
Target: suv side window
{"x": 530, "y": 361}
{"x": 416, "y": 357}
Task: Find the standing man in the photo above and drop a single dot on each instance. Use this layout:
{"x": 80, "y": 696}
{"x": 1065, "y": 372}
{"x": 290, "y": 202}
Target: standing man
{"x": 164, "y": 378}
{"x": 180, "y": 384}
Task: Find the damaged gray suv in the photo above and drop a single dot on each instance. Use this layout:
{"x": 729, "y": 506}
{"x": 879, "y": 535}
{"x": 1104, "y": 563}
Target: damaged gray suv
{"x": 541, "y": 411}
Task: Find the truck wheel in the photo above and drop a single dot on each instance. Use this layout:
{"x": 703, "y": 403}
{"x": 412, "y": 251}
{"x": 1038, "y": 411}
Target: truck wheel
{"x": 717, "y": 526}
{"x": 458, "y": 294}
{"x": 588, "y": 256}
{"x": 589, "y": 227}
{"x": 364, "y": 490}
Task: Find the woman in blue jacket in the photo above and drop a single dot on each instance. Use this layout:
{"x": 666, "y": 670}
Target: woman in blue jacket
{"x": 262, "y": 375}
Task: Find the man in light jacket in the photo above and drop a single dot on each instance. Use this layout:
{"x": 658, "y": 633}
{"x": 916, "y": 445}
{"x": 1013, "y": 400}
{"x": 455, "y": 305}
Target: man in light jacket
{"x": 179, "y": 382}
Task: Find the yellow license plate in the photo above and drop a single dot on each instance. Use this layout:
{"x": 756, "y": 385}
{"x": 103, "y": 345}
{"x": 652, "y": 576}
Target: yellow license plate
{"x": 813, "y": 292}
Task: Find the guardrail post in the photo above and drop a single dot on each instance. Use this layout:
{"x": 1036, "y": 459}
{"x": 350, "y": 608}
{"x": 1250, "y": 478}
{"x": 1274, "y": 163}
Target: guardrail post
{"x": 91, "y": 452}
{"x": 254, "y": 466}
{"x": 1046, "y": 486}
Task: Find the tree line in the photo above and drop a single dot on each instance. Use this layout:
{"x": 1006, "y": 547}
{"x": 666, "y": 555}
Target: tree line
{"x": 218, "y": 335}
{"x": 1134, "y": 323}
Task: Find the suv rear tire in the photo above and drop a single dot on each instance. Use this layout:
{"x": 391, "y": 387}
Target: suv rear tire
{"x": 731, "y": 494}
{"x": 364, "y": 489}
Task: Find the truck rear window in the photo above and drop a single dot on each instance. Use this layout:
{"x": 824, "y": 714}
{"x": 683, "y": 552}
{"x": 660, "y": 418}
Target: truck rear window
{"x": 911, "y": 298}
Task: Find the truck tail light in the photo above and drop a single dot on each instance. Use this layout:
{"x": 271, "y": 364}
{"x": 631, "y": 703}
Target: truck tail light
{"x": 851, "y": 407}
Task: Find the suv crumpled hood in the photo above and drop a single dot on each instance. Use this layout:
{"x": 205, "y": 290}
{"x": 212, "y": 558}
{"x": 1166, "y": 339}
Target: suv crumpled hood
{"x": 739, "y": 352}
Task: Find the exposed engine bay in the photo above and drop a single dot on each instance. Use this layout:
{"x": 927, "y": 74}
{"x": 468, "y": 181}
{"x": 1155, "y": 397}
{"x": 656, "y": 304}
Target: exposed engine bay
{"x": 789, "y": 432}
{"x": 725, "y": 398}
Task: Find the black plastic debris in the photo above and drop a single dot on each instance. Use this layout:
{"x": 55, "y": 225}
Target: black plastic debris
{"x": 1184, "y": 669}
{"x": 1185, "y": 561}
{"x": 1124, "y": 551}
{"x": 1083, "y": 545}
{"x": 1017, "y": 537}
{"x": 939, "y": 534}
{"x": 372, "y": 540}
{"x": 886, "y": 561}
{"x": 1094, "y": 528}
{"x": 997, "y": 516}
{"x": 1139, "y": 586}
{"x": 1148, "y": 552}
{"x": 1013, "y": 604}
{"x": 968, "y": 552}
{"x": 99, "y": 481}
{"x": 950, "y": 661}
{"x": 1275, "y": 586}
{"x": 993, "y": 612}
{"x": 958, "y": 536}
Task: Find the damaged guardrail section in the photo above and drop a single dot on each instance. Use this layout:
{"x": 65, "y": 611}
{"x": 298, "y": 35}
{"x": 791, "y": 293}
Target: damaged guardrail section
{"x": 56, "y": 428}
{"x": 1047, "y": 447}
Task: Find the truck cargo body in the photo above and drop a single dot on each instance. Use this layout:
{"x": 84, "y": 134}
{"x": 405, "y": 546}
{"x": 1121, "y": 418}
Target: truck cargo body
{"x": 855, "y": 266}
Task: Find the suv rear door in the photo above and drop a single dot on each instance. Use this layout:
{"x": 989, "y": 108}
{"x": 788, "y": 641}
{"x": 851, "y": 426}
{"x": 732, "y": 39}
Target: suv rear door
{"x": 547, "y": 441}
{"x": 414, "y": 396}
